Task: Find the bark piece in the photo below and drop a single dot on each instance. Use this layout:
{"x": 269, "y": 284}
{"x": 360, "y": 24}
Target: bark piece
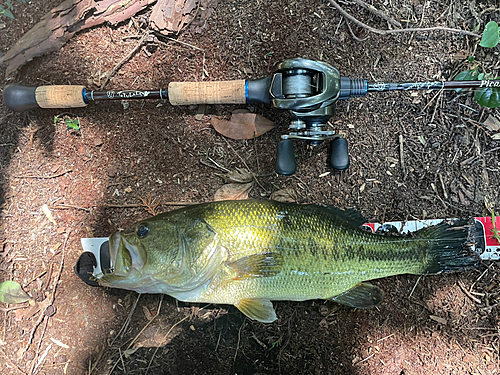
{"x": 62, "y": 22}
{"x": 170, "y": 16}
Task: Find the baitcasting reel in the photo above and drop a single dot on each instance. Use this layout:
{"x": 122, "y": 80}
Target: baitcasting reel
{"x": 308, "y": 90}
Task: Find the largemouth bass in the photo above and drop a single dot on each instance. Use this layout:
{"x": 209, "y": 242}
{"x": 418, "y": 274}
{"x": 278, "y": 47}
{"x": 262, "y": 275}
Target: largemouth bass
{"x": 249, "y": 253}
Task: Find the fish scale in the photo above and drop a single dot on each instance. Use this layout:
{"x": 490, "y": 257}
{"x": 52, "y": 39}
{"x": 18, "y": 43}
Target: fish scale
{"x": 248, "y": 253}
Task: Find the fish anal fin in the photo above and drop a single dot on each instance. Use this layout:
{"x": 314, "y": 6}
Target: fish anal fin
{"x": 257, "y": 265}
{"x": 361, "y": 296}
{"x": 258, "y": 309}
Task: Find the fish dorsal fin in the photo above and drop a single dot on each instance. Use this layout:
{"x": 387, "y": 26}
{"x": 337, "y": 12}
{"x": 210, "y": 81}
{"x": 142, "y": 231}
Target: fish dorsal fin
{"x": 352, "y": 218}
{"x": 361, "y": 296}
{"x": 257, "y": 265}
{"x": 258, "y": 309}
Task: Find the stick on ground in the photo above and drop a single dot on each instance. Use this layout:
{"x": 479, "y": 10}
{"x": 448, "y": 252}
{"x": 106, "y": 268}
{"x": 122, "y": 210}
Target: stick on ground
{"x": 387, "y": 32}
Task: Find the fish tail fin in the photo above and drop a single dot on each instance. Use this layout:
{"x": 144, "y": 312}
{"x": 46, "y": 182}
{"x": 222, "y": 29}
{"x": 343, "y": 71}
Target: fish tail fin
{"x": 449, "y": 247}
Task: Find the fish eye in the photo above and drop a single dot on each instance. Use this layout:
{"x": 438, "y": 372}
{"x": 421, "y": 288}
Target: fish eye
{"x": 142, "y": 231}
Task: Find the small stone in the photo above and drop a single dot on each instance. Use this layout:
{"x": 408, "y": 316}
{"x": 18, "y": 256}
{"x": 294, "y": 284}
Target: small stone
{"x": 49, "y": 311}
{"x": 61, "y": 358}
{"x": 98, "y": 142}
{"x": 29, "y": 355}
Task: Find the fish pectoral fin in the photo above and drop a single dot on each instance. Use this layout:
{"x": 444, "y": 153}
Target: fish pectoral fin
{"x": 361, "y": 296}
{"x": 257, "y": 265}
{"x": 258, "y": 309}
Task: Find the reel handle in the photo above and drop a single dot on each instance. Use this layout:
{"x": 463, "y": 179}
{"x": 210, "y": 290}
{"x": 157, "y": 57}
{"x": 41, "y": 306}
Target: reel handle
{"x": 22, "y": 98}
{"x": 285, "y": 160}
{"x": 339, "y": 159}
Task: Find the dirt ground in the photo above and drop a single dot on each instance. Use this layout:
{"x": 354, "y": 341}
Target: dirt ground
{"x": 441, "y": 324}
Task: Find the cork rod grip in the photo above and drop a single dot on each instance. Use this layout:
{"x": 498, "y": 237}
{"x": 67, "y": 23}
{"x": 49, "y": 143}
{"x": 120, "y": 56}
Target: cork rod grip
{"x": 59, "y": 96}
{"x": 220, "y": 92}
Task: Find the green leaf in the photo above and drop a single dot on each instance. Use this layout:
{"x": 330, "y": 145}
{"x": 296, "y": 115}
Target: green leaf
{"x": 72, "y": 124}
{"x": 470, "y": 58}
{"x": 467, "y": 75}
{"x": 488, "y": 97}
{"x": 490, "y": 35}
{"x": 11, "y": 292}
{"x": 7, "y": 13}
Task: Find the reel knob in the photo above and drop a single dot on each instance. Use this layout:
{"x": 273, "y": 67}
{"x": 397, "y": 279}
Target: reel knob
{"x": 339, "y": 160}
{"x": 285, "y": 160}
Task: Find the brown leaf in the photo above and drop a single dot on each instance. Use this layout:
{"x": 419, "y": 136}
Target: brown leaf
{"x": 233, "y": 192}
{"x": 286, "y": 195}
{"x": 239, "y": 175}
{"x": 492, "y": 123}
{"x": 243, "y": 125}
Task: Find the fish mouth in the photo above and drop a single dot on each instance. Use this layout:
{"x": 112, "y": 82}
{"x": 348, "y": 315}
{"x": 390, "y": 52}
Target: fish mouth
{"x": 114, "y": 245}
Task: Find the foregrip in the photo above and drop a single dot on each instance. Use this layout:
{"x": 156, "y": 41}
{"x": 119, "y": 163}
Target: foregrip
{"x": 219, "y": 92}
{"x": 21, "y": 98}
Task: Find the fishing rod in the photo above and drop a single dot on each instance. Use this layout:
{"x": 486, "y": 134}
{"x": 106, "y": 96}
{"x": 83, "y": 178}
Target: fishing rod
{"x": 307, "y": 89}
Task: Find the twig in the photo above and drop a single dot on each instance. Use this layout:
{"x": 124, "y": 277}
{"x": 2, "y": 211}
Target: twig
{"x": 464, "y": 289}
{"x": 415, "y": 286}
{"x": 139, "y": 334}
{"x": 246, "y": 165}
{"x": 378, "y": 13}
{"x": 442, "y": 186}
{"x": 387, "y": 32}
{"x": 123, "y": 363}
{"x": 168, "y": 333}
{"x": 3, "y": 309}
{"x": 470, "y": 160}
{"x": 164, "y": 338}
{"x": 127, "y": 205}
{"x": 238, "y": 343}
{"x": 127, "y": 321}
{"x": 51, "y": 298}
{"x": 356, "y": 38}
{"x": 402, "y": 155}
{"x": 126, "y": 58}
{"x": 46, "y": 177}
{"x": 62, "y": 206}
{"x": 184, "y": 43}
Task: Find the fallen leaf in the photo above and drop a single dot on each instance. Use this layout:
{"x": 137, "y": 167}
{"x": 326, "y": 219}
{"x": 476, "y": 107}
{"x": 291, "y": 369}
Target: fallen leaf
{"x": 48, "y": 214}
{"x": 239, "y": 175}
{"x": 11, "y": 292}
{"x": 284, "y": 195}
{"x": 492, "y": 123}
{"x": 243, "y": 125}
{"x": 233, "y": 192}
{"x": 128, "y": 352}
{"x": 496, "y": 136}
{"x": 438, "y": 319}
